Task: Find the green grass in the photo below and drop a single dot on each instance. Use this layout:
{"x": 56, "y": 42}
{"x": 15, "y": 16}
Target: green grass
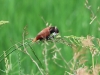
{"x": 71, "y": 18}
{"x": 81, "y": 56}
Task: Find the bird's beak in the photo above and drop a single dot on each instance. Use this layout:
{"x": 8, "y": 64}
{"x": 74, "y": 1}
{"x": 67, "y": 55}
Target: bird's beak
{"x": 54, "y": 34}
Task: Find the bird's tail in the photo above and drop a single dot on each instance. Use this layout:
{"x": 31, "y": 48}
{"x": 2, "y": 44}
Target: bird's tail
{"x": 34, "y": 40}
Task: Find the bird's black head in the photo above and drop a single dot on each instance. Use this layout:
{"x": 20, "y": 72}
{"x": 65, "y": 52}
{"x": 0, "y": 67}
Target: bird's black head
{"x": 54, "y": 29}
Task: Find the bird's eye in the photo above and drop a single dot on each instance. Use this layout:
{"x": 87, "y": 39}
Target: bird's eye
{"x": 56, "y": 30}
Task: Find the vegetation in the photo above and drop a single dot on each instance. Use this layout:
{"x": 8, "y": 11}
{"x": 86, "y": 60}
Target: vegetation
{"x": 75, "y": 51}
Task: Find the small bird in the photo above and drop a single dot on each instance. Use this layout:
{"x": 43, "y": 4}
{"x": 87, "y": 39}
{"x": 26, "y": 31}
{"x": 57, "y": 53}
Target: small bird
{"x": 45, "y": 33}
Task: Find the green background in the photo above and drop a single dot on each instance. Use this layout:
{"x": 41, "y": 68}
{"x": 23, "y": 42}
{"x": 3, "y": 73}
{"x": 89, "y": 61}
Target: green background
{"x": 70, "y": 16}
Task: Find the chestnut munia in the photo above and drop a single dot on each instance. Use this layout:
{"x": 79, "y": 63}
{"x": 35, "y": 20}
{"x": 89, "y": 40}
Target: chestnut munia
{"x": 45, "y": 33}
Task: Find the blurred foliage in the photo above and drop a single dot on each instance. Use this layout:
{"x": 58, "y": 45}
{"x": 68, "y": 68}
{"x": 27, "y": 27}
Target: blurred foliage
{"x": 71, "y": 17}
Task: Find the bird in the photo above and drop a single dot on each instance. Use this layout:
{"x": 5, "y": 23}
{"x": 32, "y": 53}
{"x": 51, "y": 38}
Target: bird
{"x": 45, "y": 33}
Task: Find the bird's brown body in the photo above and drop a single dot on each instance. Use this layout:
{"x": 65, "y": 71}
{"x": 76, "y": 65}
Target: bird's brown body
{"x": 45, "y": 33}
